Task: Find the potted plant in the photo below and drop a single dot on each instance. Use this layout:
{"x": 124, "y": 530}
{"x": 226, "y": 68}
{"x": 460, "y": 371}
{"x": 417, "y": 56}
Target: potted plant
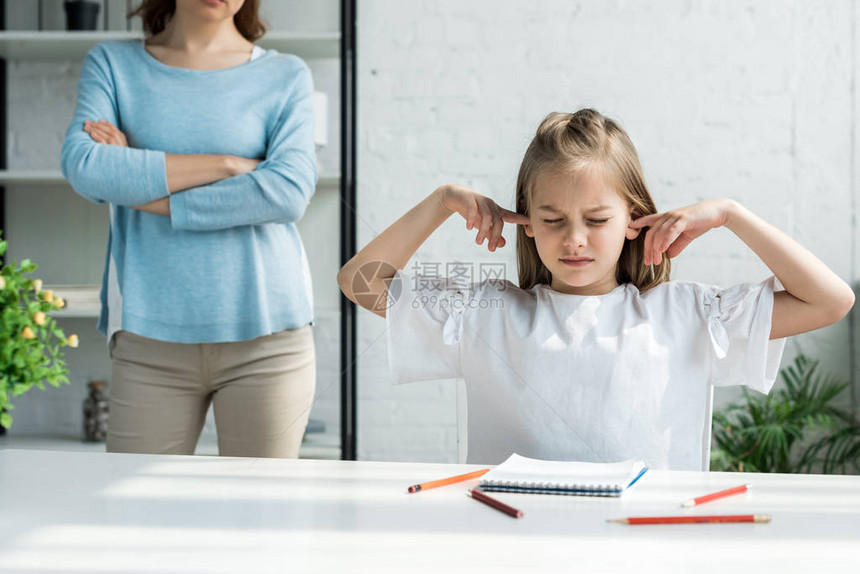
{"x": 30, "y": 340}
{"x": 795, "y": 429}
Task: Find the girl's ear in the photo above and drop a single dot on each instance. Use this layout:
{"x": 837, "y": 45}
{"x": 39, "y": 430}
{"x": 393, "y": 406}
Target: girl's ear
{"x": 528, "y": 229}
{"x": 632, "y": 233}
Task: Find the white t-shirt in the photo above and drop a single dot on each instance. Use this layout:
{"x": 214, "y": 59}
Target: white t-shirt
{"x": 588, "y": 378}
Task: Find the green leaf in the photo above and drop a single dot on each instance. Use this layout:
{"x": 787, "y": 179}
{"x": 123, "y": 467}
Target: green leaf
{"x": 794, "y": 429}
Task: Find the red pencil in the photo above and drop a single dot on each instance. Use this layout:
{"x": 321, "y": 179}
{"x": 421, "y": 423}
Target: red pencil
{"x": 497, "y": 504}
{"x": 757, "y": 518}
{"x": 715, "y": 495}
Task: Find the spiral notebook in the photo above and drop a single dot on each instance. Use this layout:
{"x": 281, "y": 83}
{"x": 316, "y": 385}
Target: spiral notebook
{"x": 521, "y": 474}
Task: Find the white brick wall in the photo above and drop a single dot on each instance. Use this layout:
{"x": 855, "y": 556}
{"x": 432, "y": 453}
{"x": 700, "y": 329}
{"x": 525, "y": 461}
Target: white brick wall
{"x": 748, "y": 99}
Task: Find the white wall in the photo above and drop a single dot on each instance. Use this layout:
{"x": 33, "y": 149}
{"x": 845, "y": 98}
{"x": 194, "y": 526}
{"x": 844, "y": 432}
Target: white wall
{"x": 748, "y": 99}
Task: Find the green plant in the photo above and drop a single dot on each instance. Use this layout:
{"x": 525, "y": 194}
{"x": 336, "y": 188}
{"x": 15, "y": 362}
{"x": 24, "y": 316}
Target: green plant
{"x": 794, "y": 429}
{"x": 30, "y": 340}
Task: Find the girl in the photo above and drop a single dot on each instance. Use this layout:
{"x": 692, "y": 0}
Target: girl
{"x": 596, "y": 356}
{"x": 202, "y": 144}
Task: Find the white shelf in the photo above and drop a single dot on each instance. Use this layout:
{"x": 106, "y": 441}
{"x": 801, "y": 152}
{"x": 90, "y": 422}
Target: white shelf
{"x": 316, "y": 447}
{"x": 81, "y": 301}
{"x": 55, "y": 177}
{"x": 33, "y": 45}
{"x": 32, "y": 177}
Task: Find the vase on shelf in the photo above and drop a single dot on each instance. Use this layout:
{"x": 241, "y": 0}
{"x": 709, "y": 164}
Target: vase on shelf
{"x": 81, "y": 14}
{"x": 96, "y": 412}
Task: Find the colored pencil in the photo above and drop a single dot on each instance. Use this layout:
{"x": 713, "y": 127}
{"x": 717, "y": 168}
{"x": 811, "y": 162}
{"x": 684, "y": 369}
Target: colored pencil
{"x": 447, "y": 481}
{"x": 757, "y": 518}
{"x": 497, "y": 504}
{"x": 715, "y": 495}
{"x": 638, "y": 476}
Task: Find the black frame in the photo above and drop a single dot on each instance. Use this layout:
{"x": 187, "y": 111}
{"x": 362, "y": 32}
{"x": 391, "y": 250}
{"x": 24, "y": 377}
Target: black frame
{"x": 2, "y": 141}
{"x": 3, "y": 153}
{"x": 348, "y": 236}
{"x": 3, "y": 102}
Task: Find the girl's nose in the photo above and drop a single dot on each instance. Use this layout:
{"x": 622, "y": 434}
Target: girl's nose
{"x": 575, "y": 237}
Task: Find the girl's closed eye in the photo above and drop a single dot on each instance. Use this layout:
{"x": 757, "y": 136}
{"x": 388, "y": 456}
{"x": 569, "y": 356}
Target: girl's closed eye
{"x": 597, "y": 221}
{"x": 553, "y": 221}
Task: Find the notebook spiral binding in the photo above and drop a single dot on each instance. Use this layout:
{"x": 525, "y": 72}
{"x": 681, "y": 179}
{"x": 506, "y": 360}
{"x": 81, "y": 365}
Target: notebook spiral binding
{"x": 551, "y": 488}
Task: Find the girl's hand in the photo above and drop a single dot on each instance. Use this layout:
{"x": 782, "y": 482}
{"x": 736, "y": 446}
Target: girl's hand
{"x": 671, "y": 232}
{"x": 480, "y": 213}
{"x": 105, "y": 132}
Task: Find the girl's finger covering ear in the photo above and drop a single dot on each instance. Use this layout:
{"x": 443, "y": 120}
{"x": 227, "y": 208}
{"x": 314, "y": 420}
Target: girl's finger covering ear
{"x": 644, "y": 221}
{"x": 514, "y": 217}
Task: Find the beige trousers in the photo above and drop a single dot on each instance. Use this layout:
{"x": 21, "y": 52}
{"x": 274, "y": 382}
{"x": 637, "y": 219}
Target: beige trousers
{"x": 261, "y": 392}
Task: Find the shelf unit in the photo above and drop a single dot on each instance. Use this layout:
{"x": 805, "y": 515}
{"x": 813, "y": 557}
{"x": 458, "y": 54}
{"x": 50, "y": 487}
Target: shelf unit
{"x": 83, "y": 300}
{"x": 29, "y": 46}
{"x": 57, "y": 46}
{"x": 44, "y": 177}
{"x": 312, "y": 447}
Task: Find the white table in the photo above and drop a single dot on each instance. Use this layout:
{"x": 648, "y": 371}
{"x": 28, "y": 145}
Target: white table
{"x": 75, "y": 512}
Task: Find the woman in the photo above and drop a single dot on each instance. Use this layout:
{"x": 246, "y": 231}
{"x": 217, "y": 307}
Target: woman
{"x": 202, "y": 144}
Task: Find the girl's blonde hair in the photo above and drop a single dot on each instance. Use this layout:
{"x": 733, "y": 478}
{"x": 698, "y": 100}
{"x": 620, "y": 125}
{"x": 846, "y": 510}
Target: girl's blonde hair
{"x": 587, "y": 140}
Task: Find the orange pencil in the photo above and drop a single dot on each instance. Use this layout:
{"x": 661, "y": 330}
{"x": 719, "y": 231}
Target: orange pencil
{"x": 715, "y": 495}
{"x": 447, "y": 481}
{"x": 757, "y": 518}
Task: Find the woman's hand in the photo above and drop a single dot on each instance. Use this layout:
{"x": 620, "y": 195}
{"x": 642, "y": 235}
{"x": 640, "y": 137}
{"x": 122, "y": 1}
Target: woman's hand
{"x": 671, "y": 232}
{"x": 183, "y": 171}
{"x": 158, "y": 206}
{"x": 241, "y": 165}
{"x": 480, "y": 213}
{"x": 105, "y": 132}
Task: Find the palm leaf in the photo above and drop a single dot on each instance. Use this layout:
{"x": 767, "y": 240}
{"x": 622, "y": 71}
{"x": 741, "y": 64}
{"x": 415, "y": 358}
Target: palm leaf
{"x": 794, "y": 429}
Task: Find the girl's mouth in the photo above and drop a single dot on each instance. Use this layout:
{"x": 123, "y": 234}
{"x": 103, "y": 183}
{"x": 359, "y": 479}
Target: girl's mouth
{"x": 576, "y": 261}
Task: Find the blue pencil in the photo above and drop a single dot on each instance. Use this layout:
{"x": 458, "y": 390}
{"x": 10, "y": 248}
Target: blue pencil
{"x": 638, "y": 476}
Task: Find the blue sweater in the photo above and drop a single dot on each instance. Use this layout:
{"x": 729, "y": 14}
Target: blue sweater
{"x": 228, "y": 264}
